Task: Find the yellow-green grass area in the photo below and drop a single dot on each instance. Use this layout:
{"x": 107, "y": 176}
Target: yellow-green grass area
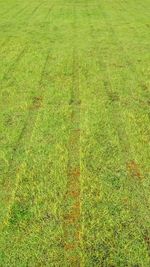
{"x": 74, "y": 133}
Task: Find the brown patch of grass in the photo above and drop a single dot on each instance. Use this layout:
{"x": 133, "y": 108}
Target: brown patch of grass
{"x": 74, "y": 172}
{"x": 72, "y": 217}
{"x": 74, "y": 193}
{"x": 142, "y": 102}
{"x": 113, "y": 96}
{"x": 73, "y": 261}
{"x": 74, "y": 137}
{"x": 125, "y": 201}
{"x": 37, "y": 102}
{"x": 69, "y": 246}
{"x": 147, "y": 240}
{"x": 145, "y": 87}
{"x": 74, "y": 214}
{"x": 75, "y": 102}
{"x": 134, "y": 170}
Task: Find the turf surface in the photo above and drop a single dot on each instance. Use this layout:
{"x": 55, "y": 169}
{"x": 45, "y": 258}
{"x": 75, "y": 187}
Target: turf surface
{"x": 74, "y": 113}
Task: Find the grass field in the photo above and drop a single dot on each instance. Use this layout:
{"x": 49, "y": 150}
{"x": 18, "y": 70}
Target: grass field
{"x": 75, "y": 116}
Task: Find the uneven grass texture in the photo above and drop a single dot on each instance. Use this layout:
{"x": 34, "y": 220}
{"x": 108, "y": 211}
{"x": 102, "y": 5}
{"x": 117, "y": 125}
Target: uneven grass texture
{"x": 74, "y": 121}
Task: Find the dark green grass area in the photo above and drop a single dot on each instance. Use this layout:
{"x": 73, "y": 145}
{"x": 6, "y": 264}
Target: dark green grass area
{"x": 69, "y": 66}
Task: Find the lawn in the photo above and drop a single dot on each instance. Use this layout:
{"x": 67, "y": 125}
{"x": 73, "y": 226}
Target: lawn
{"x": 74, "y": 133}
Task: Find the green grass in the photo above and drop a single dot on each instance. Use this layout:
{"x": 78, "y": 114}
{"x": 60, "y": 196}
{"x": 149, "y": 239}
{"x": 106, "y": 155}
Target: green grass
{"x": 74, "y": 121}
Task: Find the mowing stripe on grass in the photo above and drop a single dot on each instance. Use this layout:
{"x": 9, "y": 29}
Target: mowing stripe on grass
{"x": 129, "y": 63}
{"x": 23, "y": 51}
{"x": 116, "y": 118}
{"x": 26, "y": 24}
{"x": 20, "y": 147}
{"x": 122, "y": 134}
{"x": 132, "y": 168}
{"x": 14, "y": 64}
{"x": 72, "y": 218}
{"x": 20, "y": 11}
